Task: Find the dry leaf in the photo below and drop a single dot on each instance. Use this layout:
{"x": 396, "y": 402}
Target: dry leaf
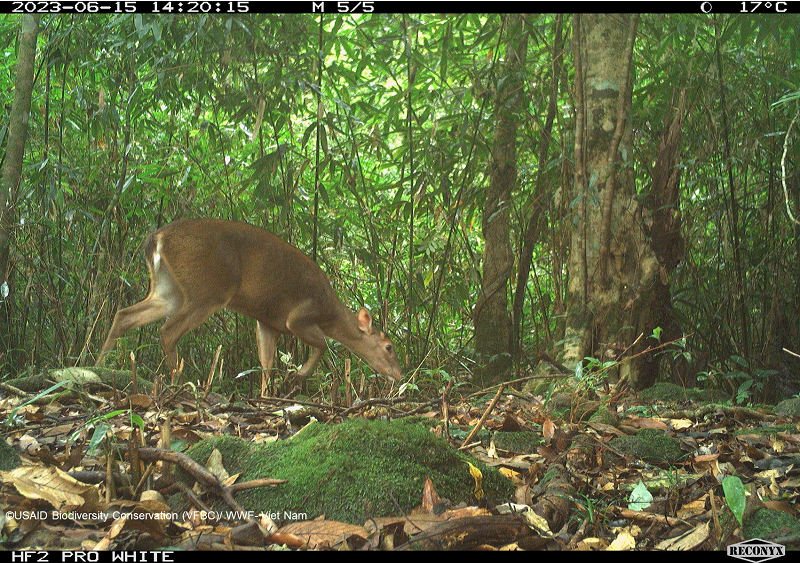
{"x": 140, "y": 401}
{"x": 429, "y": 497}
{"x": 512, "y": 475}
{"x": 638, "y": 422}
{"x": 53, "y": 485}
{"x": 694, "y": 508}
{"x": 548, "y": 429}
{"x": 478, "y": 477}
{"x": 680, "y": 423}
{"x": 623, "y": 542}
{"x": 687, "y": 541}
{"x": 591, "y": 544}
{"x": 214, "y": 465}
{"x": 322, "y": 533}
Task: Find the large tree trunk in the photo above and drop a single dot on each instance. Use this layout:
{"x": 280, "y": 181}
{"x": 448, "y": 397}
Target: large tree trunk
{"x": 12, "y": 166}
{"x": 491, "y": 316}
{"x": 612, "y": 269}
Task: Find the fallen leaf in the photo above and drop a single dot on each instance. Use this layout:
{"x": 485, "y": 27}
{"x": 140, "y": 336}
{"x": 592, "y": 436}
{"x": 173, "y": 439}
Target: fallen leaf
{"x": 318, "y": 534}
{"x": 215, "y": 466}
{"x": 140, "y": 401}
{"x": 53, "y": 485}
{"x": 429, "y": 497}
{"x": 687, "y": 541}
{"x": 680, "y": 423}
{"x": 623, "y": 542}
{"x": 639, "y": 422}
{"x": 548, "y": 429}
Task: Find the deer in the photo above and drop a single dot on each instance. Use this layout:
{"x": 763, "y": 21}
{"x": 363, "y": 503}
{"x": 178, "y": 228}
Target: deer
{"x": 199, "y": 266}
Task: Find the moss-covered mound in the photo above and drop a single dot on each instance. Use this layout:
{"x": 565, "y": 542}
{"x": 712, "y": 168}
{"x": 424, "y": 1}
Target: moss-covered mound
{"x": 671, "y": 393}
{"x": 650, "y": 445}
{"x": 605, "y": 416}
{"x": 84, "y": 377}
{"x": 524, "y": 442}
{"x": 351, "y": 471}
{"x": 766, "y": 523}
{"x": 768, "y": 430}
{"x": 571, "y": 407}
{"x": 788, "y": 407}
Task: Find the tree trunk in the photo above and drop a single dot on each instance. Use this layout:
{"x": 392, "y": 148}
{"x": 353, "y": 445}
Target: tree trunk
{"x": 542, "y": 196}
{"x": 491, "y": 315}
{"x": 666, "y": 240}
{"x": 612, "y": 269}
{"x": 12, "y": 166}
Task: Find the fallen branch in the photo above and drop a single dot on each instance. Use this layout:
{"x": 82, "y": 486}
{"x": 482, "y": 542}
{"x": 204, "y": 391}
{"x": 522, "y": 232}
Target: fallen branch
{"x": 200, "y": 473}
{"x": 470, "y": 533}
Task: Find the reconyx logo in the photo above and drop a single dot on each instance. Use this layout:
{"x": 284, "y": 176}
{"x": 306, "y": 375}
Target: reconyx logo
{"x": 756, "y": 550}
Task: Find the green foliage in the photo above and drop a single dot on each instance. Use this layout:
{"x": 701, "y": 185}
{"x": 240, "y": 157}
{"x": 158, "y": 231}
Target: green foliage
{"x": 735, "y": 496}
{"x": 100, "y": 427}
{"x": 140, "y": 119}
{"x": 640, "y": 498}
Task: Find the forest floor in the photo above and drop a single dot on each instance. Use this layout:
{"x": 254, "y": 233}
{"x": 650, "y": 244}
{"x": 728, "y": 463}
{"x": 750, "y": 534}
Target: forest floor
{"x": 576, "y": 468}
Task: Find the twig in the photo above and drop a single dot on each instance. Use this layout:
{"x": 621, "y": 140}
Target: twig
{"x": 446, "y": 409}
{"x": 255, "y": 483}
{"x": 518, "y": 380}
{"x": 295, "y": 402}
{"x": 370, "y": 402}
{"x": 210, "y": 379}
{"x": 791, "y": 353}
{"x": 419, "y": 408}
{"x": 200, "y": 473}
{"x": 479, "y": 425}
{"x": 649, "y": 517}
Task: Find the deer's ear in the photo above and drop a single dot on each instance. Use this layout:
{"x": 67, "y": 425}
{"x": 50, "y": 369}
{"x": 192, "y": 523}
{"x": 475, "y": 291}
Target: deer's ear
{"x": 364, "y": 320}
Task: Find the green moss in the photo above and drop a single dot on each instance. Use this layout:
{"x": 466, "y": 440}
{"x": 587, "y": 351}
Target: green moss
{"x": 31, "y": 384}
{"x": 765, "y": 523}
{"x": 123, "y": 379}
{"x": 570, "y": 406}
{"x": 788, "y": 407}
{"x": 766, "y": 430}
{"x": 650, "y": 445}
{"x": 671, "y": 393}
{"x": 524, "y": 442}
{"x": 9, "y": 458}
{"x": 82, "y": 376}
{"x": 605, "y": 416}
{"x": 351, "y": 471}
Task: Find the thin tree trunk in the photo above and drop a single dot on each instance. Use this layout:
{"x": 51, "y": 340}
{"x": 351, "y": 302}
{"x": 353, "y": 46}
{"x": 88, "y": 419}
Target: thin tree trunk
{"x": 733, "y": 211}
{"x": 12, "y": 166}
{"x": 491, "y": 316}
{"x": 541, "y": 198}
